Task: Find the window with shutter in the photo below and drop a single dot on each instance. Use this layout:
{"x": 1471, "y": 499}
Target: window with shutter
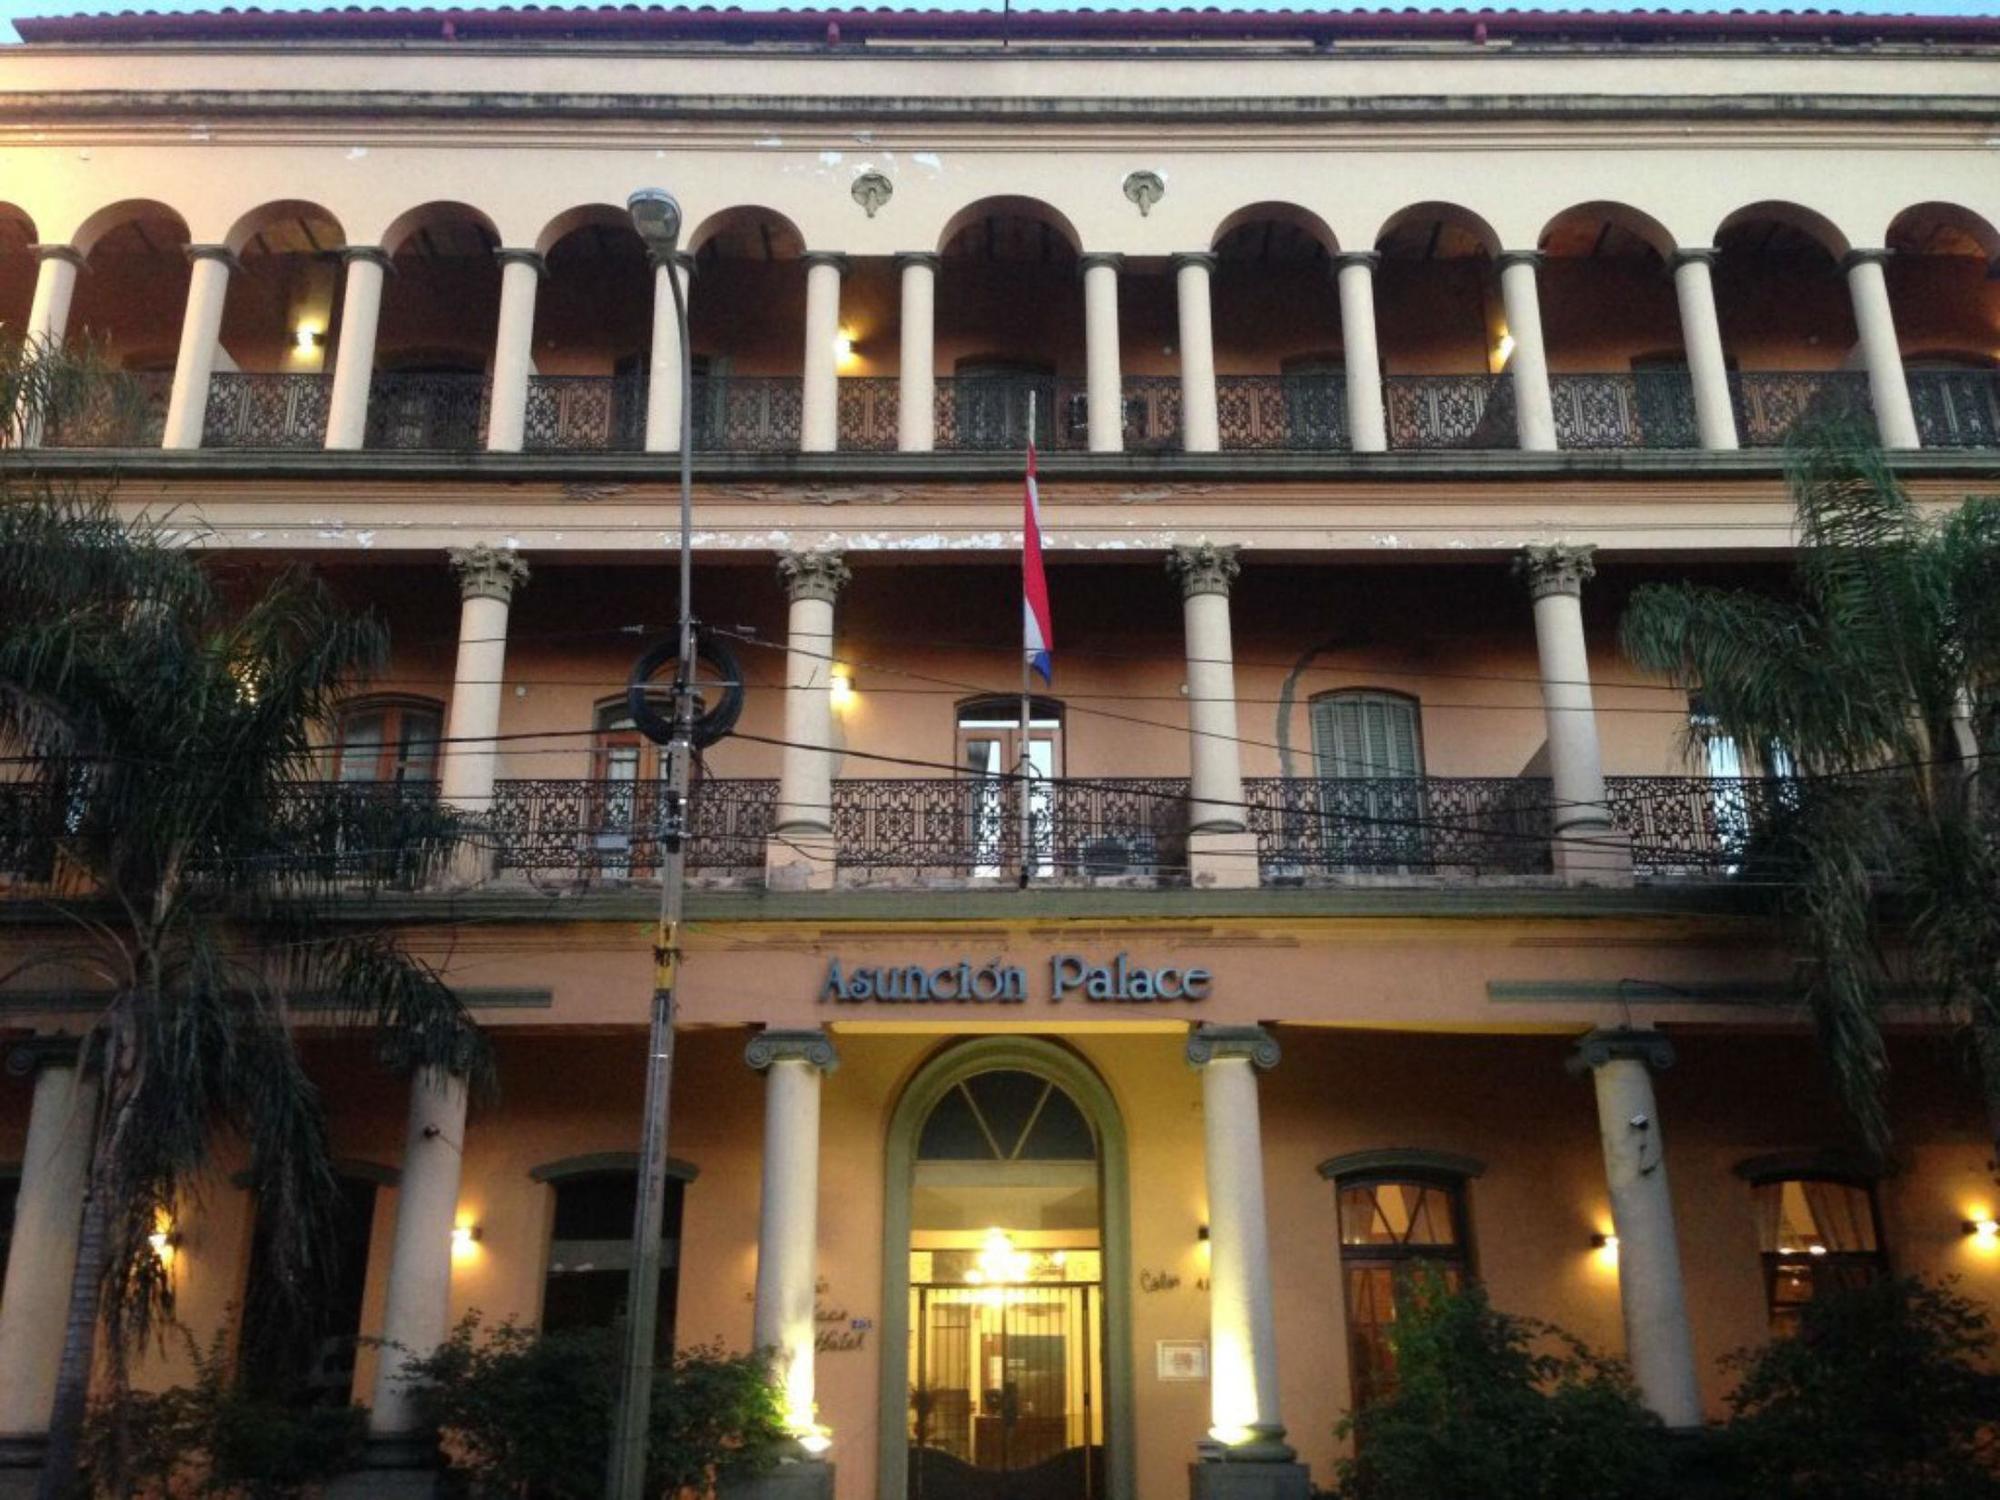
{"x": 1371, "y": 788}
{"x": 1364, "y": 734}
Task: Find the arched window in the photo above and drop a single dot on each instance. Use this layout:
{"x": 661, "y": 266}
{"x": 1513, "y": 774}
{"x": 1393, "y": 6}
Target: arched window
{"x": 590, "y": 1247}
{"x": 388, "y": 740}
{"x": 1817, "y": 1233}
{"x": 1398, "y": 1210}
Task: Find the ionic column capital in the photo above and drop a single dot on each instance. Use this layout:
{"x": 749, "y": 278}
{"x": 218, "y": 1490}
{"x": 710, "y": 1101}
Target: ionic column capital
{"x": 530, "y": 258}
{"x": 1508, "y": 258}
{"x": 1109, "y": 259}
{"x": 811, "y": 1046}
{"x": 1693, "y": 255}
{"x": 1207, "y": 1044}
{"x": 1205, "y": 259}
{"x": 212, "y": 252}
{"x": 31, "y": 1055}
{"x": 1204, "y": 568}
{"x": 1855, "y": 258}
{"x": 488, "y": 572}
{"x": 1557, "y": 568}
{"x": 813, "y": 575}
{"x": 930, "y": 260}
{"x": 1621, "y": 1044}
{"x": 374, "y": 255}
{"x": 1368, "y": 259}
{"x": 835, "y": 258}
{"x": 67, "y": 253}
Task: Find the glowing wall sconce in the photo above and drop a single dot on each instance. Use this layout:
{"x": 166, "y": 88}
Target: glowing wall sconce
{"x": 166, "y": 1243}
{"x": 1504, "y": 350}
{"x": 1985, "y": 1230}
{"x": 307, "y": 339}
{"x": 814, "y": 1439}
{"x": 840, "y": 686}
{"x": 843, "y": 347}
{"x": 464, "y": 1237}
{"x": 1608, "y": 1243}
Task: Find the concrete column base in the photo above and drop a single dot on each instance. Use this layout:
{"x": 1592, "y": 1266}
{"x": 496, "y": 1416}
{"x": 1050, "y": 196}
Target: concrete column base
{"x": 793, "y": 1479}
{"x": 394, "y": 1466}
{"x": 1222, "y": 859}
{"x": 1592, "y": 854}
{"x": 21, "y": 1455}
{"x": 472, "y": 862}
{"x": 1210, "y": 1479}
{"x": 799, "y": 859}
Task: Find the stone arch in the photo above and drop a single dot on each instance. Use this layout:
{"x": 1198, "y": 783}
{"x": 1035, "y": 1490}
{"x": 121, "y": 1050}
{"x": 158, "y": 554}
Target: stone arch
{"x": 1008, "y": 208}
{"x": 1774, "y": 227}
{"x": 290, "y": 224}
{"x": 1436, "y": 231}
{"x": 943, "y": 1071}
{"x": 1943, "y": 229}
{"x": 1605, "y": 228}
{"x": 17, "y": 228}
{"x": 144, "y": 218}
{"x": 599, "y": 217}
{"x": 748, "y": 231}
{"x": 1300, "y": 226}
{"x": 438, "y": 217}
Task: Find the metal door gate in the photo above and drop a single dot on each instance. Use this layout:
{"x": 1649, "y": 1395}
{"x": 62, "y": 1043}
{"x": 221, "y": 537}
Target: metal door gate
{"x": 1004, "y": 1392}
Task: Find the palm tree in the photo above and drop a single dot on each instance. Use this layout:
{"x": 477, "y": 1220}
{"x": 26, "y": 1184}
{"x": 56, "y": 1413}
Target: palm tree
{"x": 1878, "y": 677}
{"x": 158, "y": 712}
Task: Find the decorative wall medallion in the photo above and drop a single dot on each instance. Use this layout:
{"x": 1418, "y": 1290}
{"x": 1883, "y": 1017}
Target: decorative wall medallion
{"x": 871, "y": 190}
{"x": 1145, "y": 189}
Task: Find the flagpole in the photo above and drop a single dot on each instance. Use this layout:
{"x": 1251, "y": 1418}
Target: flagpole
{"x": 1027, "y": 712}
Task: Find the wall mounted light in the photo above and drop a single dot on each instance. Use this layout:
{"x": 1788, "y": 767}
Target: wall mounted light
{"x": 1605, "y": 1242}
{"x": 843, "y": 347}
{"x": 308, "y": 340}
{"x": 166, "y": 1241}
{"x": 840, "y": 686}
{"x": 464, "y": 1237}
{"x": 814, "y": 1440}
{"x": 1504, "y": 350}
{"x": 1984, "y": 1229}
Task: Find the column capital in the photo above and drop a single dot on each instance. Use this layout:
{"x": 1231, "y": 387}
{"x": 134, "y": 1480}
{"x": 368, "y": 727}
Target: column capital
{"x": 488, "y": 572}
{"x": 374, "y": 255}
{"x": 1204, "y": 568}
{"x": 835, "y": 258}
{"x": 1207, "y": 1044}
{"x": 813, "y": 575}
{"x": 811, "y": 1046}
{"x": 508, "y": 256}
{"x": 1112, "y": 259}
{"x": 930, "y": 260}
{"x": 1556, "y": 568}
{"x": 1621, "y": 1044}
{"x": 31, "y": 1055}
{"x": 1855, "y": 258}
{"x": 1342, "y": 259}
{"x": 1203, "y": 258}
{"x": 1508, "y": 258}
{"x": 58, "y": 252}
{"x": 1693, "y": 255}
{"x": 212, "y": 252}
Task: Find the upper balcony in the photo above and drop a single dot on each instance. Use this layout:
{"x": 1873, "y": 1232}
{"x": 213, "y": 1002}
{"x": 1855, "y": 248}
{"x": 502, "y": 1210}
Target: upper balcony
{"x": 1605, "y": 336}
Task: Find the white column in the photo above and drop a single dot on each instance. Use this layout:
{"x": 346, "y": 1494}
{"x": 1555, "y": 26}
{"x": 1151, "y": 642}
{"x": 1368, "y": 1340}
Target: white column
{"x": 521, "y": 272}
{"x": 354, "y": 360}
{"x": 201, "y": 328}
{"x": 1888, "y": 387}
{"x": 1244, "y": 1421}
{"x": 1367, "y": 425}
{"x": 788, "y": 1224}
{"x": 1534, "y": 408}
{"x": 487, "y": 578}
{"x": 1103, "y": 370}
{"x": 819, "y": 424}
{"x": 418, "y": 1311}
{"x": 1200, "y": 427}
{"x": 1658, "y": 1343}
{"x": 34, "y": 1307}
{"x": 55, "y": 286}
{"x": 800, "y": 852}
{"x": 663, "y": 371}
{"x": 1701, "y": 338}
{"x": 916, "y": 384}
{"x": 1221, "y": 850}
{"x": 1587, "y": 848}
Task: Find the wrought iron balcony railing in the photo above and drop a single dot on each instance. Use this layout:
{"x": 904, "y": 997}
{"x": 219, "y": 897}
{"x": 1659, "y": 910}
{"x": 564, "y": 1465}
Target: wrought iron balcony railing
{"x": 600, "y": 829}
{"x": 985, "y": 412}
{"x": 748, "y": 413}
{"x": 1450, "y": 411}
{"x": 128, "y": 410}
{"x": 1290, "y": 412}
{"x": 266, "y": 411}
{"x": 393, "y": 833}
{"x": 1641, "y": 409}
{"x": 866, "y": 413}
{"x": 971, "y": 827}
{"x": 585, "y": 413}
{"x": 1772, "y": 405}
{"x": 1956, "y": 408}
{"x": 1312, "y": 826}
{"x": 428, "y": 413}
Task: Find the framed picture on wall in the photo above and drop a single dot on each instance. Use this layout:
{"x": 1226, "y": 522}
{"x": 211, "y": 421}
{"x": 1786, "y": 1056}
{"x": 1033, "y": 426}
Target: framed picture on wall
{"x": 1182, "y": 1359}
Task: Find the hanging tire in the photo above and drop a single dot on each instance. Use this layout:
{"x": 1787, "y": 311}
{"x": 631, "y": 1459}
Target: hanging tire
{"x": 710, "y": 726}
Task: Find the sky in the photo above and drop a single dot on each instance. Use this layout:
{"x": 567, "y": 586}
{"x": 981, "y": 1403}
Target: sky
{"x": 9, "y": 9}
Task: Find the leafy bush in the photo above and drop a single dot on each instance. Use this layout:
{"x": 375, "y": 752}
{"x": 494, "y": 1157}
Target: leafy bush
{"x": 527, "y": 1415}
{"x": 1886, "y": 1392}
{"x": 217, "y": 1437}
{"x": 1487, "y": 1406}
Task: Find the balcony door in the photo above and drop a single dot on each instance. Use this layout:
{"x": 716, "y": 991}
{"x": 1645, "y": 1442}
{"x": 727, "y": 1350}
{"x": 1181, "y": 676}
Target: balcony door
{"x": 623, "y": 804}
{"x": 991, "y": 748}
{"x": 992, "y": 403}
{"x": 1371, "y": 766}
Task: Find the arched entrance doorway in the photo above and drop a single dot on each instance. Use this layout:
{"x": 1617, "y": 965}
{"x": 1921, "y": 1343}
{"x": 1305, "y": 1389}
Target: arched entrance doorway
{"x": 1006, "y": 1361}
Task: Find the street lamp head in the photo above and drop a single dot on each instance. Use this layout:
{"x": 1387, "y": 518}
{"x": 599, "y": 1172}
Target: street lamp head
{"x": 656, "y": 214}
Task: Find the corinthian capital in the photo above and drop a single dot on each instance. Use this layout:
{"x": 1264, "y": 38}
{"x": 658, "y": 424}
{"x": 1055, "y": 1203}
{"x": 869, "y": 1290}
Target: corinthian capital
{"x": 488, "y": 572}
{"x": 1556, "y": 569}
{"x": 1204, "y": 568}
{"x": 813, "y": 575}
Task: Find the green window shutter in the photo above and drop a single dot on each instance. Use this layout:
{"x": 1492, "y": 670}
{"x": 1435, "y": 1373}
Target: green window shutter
{"x": 1365, "y": 735}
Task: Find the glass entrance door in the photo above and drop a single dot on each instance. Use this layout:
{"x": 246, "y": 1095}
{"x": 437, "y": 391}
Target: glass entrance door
{"x": 990, "y": 750}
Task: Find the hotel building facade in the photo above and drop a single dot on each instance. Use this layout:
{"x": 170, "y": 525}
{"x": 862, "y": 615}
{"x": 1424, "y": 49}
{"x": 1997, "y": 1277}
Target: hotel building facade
{"x": 1374, "y": 908}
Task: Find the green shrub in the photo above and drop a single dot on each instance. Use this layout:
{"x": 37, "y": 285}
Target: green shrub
{"x": 1886, "y": 1392}
{"x": 1487, "y": 1406}
{"x": 527, "y": 1415}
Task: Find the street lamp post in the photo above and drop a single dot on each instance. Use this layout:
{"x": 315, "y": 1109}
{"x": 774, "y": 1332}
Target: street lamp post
{"x": 657, "y": 217}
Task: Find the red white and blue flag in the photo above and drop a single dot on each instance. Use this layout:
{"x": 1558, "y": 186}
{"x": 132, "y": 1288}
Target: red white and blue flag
{"x": 1037, "y": 638}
